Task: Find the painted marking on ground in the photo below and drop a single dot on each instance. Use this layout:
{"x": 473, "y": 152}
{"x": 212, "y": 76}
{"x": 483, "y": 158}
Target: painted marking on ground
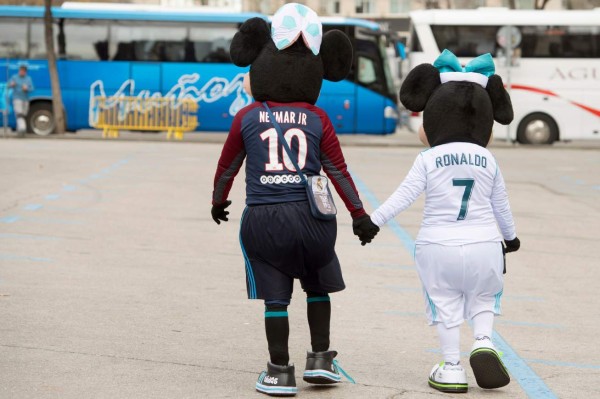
{"x": 530, "y": 382}
{"x": 33, "y": 207}
{"x": 540, "y": 361}
{"x": 527, "y": 324}
{"x": 564, "y": 364}
{"x": 403, "y": 235}
{"x": 52, "y": 197}
{"x": 9, "y": 219}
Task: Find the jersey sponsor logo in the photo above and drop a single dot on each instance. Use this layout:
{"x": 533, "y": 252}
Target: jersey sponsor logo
{"x": 461, "y": 159}
{"x": 280, "y": 179}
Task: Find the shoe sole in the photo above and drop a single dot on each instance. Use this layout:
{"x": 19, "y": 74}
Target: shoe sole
{"x": 488, "y": 369}
{"x": 276, "y": 391}
{"x": 321, "y": 377}
{"x": 449, "y": 388}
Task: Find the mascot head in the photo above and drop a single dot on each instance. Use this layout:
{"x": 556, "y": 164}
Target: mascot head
{"x": 458, "y": 104}
{"x": 289, "y": 62}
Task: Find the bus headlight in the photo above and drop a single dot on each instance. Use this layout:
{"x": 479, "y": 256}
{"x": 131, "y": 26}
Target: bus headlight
{"x": 390, "y": 112}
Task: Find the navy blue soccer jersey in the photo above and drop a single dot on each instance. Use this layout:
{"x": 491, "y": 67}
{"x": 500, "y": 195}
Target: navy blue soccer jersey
{"x": 270, "y": 174}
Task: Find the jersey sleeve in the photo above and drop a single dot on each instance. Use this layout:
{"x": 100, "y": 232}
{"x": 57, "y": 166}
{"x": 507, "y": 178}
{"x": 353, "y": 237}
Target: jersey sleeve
{"x": 501, "y": 208}
{"x": 230, "y": 162}
{"x": 334, "y": 165}
{"x": 409, "y": 190}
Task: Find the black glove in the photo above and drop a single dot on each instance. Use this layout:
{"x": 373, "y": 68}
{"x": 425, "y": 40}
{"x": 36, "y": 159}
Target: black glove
{"x": 219, "y": 213}
{"x": 365, "y": 229}
{"x": 512, "y": 245}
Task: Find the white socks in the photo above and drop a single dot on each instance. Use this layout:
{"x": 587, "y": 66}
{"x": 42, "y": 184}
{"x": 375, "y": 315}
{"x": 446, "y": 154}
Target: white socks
{"x": 483, "y": 324}
{"x": 449, "y": 342}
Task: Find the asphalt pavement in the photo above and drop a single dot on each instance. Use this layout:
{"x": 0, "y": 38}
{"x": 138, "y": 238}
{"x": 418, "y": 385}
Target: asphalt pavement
{"x": 116, "y": 283}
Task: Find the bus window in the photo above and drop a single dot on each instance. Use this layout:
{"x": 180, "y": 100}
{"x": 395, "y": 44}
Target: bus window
{"x": 466, "y": 41}
{"x": 370, "y": 57}
{"x": 147, "y": 42}
{"x": 13, "y": 38}
{"x": 84, "y": 40}
{"x": 366, "y": 71}
{"x": 210, "y": 42}
{"x": 560, "y": 42}
{"x": 37, "y": 42}
{"x": 415, "y": 44}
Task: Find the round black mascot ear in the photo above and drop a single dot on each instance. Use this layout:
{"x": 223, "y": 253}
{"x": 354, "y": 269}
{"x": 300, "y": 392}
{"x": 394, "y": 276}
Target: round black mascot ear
{"x": 336, "y": 53}
{"x": 249, "y": 41}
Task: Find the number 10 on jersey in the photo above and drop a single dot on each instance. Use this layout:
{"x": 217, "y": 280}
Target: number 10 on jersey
{"x": 273, "y": 138}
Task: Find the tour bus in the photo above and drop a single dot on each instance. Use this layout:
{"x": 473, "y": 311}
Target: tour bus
{"x": 554, "y": 72}
{"x": 143, "y": 51}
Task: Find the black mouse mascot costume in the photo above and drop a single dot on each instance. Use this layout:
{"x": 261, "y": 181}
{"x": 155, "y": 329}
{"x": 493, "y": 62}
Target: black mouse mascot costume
{"x": 281, "y": 239}
{"x": 458, "y": 251}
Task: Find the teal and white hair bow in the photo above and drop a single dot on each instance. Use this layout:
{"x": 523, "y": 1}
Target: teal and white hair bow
{"x": 478, "y": 70}
{"x": 294, "y": 20}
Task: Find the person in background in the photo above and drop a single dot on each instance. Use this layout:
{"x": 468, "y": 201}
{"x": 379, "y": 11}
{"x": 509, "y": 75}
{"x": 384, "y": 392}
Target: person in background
{"x": 22, "y": 86}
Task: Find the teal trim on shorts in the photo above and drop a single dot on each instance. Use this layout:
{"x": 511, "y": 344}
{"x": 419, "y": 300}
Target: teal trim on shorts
{"x": 318, "y": 299}
{"x": 497, "y": 304}
{"x": 432, "y": 307}
{"x": 249, "y": 272}
{"x": 276, "y": 314}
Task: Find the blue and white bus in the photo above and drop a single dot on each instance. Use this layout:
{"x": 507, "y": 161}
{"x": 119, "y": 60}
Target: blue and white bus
{"x": 113, "y": 51}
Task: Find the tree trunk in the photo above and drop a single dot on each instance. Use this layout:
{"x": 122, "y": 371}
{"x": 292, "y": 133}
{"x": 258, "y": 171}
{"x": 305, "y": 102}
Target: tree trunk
{"x": 540, "y": 4}
{"x": 57, "y": 104}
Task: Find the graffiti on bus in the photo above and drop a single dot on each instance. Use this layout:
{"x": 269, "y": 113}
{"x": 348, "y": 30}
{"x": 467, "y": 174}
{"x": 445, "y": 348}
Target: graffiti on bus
{"x": 215, "y": 89}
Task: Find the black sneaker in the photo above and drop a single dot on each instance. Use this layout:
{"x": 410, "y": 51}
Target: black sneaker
{"x": 321, "y": 368}
{"x": 277, "y": 381}
{"x": 489, "y": 371}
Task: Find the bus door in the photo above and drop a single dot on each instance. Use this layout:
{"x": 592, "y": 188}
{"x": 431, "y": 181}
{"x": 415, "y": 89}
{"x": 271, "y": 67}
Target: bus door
{"x": 338, "y": 99}
{"x": 369, "y": 101}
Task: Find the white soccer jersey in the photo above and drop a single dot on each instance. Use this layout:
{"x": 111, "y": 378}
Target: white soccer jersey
{"x": 464, "y": 196}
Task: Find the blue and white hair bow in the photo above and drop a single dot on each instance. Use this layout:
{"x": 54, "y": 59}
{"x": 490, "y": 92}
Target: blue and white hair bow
{"x": 294, "y": 20}
{"x": 478, "y": 70}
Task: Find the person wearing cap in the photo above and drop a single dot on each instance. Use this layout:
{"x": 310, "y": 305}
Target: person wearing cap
{"x": 22, "y": 86}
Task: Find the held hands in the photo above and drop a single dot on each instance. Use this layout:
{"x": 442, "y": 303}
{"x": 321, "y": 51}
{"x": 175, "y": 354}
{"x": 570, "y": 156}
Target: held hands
{"x": 365, "y": 229}
{"x": 512, "y": 245}
{"x": 219, "y": 213}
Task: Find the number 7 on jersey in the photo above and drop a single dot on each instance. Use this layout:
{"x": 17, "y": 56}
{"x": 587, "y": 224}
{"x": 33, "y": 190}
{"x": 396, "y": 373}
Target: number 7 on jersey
{"x": 464, "y": 205}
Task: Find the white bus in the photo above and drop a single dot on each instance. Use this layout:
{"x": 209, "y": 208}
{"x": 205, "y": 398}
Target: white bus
{"x": 554, "y": 78}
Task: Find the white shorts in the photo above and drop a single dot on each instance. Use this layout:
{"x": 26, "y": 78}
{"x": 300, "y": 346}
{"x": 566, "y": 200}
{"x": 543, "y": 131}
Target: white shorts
{"x": 460, "y": 281}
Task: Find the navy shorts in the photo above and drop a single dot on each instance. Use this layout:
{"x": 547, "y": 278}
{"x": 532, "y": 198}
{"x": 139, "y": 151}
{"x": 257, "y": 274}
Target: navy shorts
{"x": 283, "y": 242}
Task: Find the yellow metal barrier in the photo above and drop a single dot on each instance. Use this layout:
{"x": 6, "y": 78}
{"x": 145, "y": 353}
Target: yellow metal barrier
{"x": 153, "y": 114}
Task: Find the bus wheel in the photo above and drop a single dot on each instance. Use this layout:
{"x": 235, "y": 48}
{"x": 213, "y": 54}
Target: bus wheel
{"x": 537, "y": 128}
{"x": 41, "y": 118}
